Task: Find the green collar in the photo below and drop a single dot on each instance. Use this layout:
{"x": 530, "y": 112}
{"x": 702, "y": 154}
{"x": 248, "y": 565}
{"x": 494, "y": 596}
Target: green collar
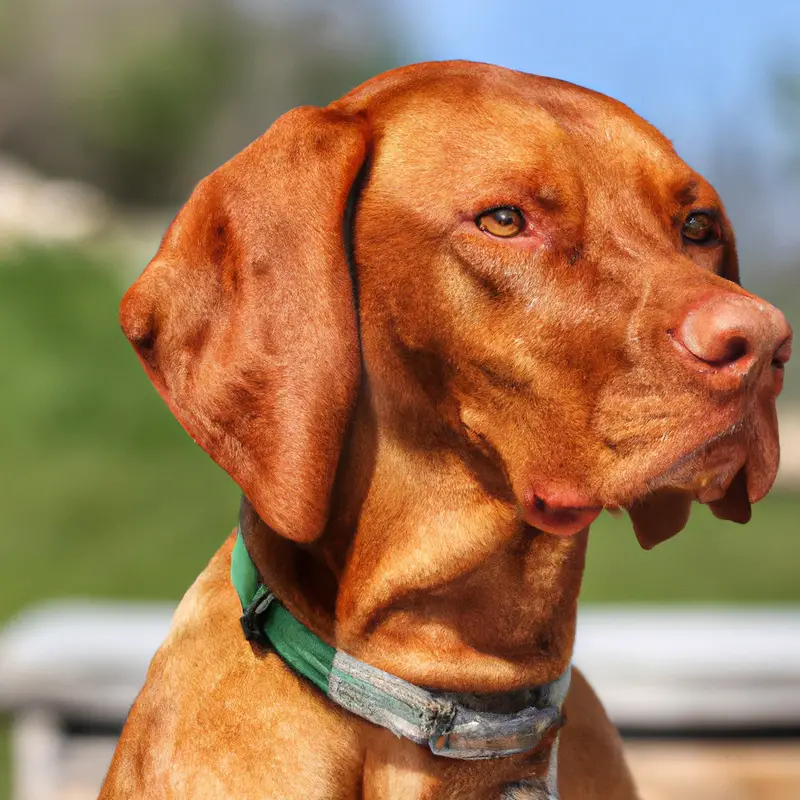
{"x": 449, "y": 723}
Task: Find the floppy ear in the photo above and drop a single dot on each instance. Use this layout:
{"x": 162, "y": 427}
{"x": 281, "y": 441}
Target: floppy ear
{"x": 245, "y": 320}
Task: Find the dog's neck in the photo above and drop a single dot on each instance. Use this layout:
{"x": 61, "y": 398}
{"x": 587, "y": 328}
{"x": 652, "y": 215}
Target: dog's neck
{"x": 427, "y": 574}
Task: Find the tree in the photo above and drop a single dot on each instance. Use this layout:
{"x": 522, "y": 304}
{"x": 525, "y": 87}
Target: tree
{"x": 143, "y": 99}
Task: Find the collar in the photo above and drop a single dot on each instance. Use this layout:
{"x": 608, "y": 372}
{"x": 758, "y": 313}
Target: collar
{"x": 453, "y": 725}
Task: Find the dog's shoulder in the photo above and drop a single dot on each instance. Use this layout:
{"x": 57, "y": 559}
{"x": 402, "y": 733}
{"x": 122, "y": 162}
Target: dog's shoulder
{"x": 589, "y": 739}
{"x": 193, "y": 726}
{"x": 179, "y": 676}
{"x": 209, "y": 608}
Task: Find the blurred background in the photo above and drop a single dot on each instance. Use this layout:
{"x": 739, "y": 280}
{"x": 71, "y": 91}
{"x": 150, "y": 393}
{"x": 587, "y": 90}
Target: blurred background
{"x": 110, "y": 111}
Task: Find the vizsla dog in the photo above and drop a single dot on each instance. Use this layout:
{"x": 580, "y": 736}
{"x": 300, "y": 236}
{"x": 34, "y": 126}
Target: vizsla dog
{"x": 432, "y": 330}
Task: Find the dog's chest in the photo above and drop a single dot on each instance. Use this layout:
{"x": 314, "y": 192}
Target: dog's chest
{"x": 527, "y": 790}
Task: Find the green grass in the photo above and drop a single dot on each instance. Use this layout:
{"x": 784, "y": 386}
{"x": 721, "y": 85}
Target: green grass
{"x": 104, "y": 495}
{"x": 103, "y": 492}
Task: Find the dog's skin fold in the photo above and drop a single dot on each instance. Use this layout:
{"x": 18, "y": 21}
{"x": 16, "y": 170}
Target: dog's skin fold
{"x": 426, "y": 432}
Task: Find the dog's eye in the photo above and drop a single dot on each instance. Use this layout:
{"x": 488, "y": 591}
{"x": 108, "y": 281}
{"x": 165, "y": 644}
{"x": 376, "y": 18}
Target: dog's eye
{"x": 501, "y": 221}
{"x": 701, "y": 228}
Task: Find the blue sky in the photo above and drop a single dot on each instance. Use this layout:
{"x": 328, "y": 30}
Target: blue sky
{"x": 693, "y": 69}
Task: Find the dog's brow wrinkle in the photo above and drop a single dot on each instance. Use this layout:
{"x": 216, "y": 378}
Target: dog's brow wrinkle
{"x": 687, "y": 195}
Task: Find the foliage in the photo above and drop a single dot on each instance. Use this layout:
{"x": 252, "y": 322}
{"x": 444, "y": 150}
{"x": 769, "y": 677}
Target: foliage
{"x": 143, "y": 115}
{"x": 143, "y": 99}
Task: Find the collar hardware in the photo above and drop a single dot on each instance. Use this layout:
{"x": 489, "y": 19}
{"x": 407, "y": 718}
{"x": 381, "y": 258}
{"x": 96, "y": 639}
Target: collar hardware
{"x": 253, "y": 618}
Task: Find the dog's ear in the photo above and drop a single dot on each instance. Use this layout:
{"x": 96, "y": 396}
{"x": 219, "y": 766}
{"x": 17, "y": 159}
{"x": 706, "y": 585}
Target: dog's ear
{"x": 245, "y": 320}
{"x": 660, "y": 516}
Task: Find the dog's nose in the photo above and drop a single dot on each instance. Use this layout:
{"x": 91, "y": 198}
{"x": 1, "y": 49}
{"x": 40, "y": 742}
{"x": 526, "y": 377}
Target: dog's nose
{"x": 736, "y": 332}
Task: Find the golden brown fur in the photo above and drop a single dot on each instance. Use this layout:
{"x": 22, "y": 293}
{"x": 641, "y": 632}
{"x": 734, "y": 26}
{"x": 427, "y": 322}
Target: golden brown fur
{"x": 407, "y": 433}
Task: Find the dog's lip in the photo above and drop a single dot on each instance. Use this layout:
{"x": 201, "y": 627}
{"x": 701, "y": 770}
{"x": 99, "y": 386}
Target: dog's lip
{"x": 561, "y": 521}
{"x": 559, "y": 511}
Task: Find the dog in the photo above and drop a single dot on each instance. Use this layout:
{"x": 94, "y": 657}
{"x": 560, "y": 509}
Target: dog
{"x": 433, "y": 330}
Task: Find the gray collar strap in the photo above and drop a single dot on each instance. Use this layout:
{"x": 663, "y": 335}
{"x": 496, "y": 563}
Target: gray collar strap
{"x": 453, "y": 725}
{"x": 450, "y": 724}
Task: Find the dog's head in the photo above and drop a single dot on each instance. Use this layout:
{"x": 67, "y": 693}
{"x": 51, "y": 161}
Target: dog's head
{"x": 529, "y": 261}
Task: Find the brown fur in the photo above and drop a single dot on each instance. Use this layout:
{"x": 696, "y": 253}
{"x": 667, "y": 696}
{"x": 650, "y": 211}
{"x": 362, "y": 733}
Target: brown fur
{"x": 394, "y": 446}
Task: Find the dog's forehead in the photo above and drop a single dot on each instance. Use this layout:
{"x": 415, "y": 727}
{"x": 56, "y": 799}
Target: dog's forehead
{"x": 484, "y": 121}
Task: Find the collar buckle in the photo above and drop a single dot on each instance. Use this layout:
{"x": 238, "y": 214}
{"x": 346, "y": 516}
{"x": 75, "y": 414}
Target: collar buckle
{"x": 253, "y": 618}
{"x": 480, "y": 735}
